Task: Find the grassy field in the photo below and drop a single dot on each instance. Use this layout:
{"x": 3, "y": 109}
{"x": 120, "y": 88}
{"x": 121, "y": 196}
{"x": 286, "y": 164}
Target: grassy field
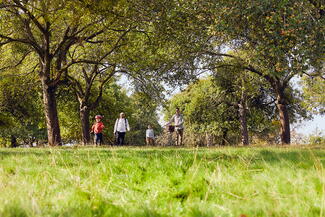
{"x": 162, "y": 182}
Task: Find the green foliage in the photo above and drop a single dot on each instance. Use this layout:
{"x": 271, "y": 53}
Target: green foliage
{"x": 279, "y": 42}
{"x": 68, "y": 108}
{"x": 21, "y": 110}
{"x": 313, "y": 92}
{"x": 316, "y": 138}
{"x": 162, "y": 182}
{"x": 282, "y": 40}
{"x": 210, "y": 109}
{"x": 243, "y": 88}
{"x": 114, "y": 101}
{"x": 143, "y": 113}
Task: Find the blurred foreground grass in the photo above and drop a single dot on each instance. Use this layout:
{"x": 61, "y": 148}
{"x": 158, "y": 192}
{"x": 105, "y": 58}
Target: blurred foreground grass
{"x": 162, "y": 182}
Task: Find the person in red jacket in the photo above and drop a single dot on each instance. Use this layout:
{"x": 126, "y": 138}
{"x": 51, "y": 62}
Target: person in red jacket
{"x": 97, "y": 129}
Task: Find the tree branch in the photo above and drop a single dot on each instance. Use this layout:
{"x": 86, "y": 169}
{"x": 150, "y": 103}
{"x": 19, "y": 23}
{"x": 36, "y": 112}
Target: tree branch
{"x": 20, "y": 40}
{"x": 23, "y": 74}
{"x": 17, "y": 64}
{"x": 314, "y": 75}
{"x": 30, "y": 15}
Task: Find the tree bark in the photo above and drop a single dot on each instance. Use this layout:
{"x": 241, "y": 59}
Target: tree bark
{"x": 243, "y": 124}
{"x": 49, "y": 88}
{"x": 224, "y": 137}
{"x": 85, "y": 104}
{"x": 283, "y": 114}
{"x": 243, "y": 118}
{"x": 84, "y": 117}
{"x": 51, "y": 114}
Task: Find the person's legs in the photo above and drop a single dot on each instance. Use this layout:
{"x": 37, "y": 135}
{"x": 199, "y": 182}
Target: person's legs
{"x": 170, "y": 139}
{"x": 116, "y": 138}
{"x": 150, "y": 141}
{"x": 180, "y": 136}
{"x": 147, "y": 140}
{"x": 95, "y": 139}
{"x": 100, "y": 139}
{"x": 121, "y": 136}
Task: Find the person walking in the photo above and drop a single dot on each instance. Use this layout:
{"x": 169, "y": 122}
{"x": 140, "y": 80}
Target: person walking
{"x": 178, "y": 121}
{"x": 97, "y": 129}
{"x": 120, "y": 128}
{"x": 150, "y": 136}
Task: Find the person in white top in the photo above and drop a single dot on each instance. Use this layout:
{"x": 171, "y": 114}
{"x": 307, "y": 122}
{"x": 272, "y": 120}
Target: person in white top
{"x": 150, "y": 136}
{"x": 120, "y": 128}
{"x": 178, "y": 121}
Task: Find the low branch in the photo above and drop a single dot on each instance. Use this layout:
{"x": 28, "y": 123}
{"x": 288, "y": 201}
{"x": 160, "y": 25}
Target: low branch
{"x": 30, "y": 15}
{"x": 17, "y": 64}
{"x": 116, "y": 45}
{"x": 211, "y": 53}
{"x": 20, "y": 40}
{"x": 101, "y": 87}
{"x": 252, "y": 69}
{"x": 314, "y": 75}
{"x": 65, "y": 37}
{"x": 95, "y": 42}
{"x": 23, "y": 74}
{"x": 9, "y": 39}
{"x": 77, "y": 86}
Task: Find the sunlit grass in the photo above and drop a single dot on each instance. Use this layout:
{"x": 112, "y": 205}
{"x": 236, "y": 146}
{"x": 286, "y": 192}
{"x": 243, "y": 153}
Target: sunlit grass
{"x": 162, "y": 182}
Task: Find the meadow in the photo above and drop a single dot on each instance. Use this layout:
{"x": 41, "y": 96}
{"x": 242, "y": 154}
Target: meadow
{"x": 134, "y": 181}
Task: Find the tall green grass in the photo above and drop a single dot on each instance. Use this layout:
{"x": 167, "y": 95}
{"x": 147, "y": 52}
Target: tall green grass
{"x": 162, "y": 182}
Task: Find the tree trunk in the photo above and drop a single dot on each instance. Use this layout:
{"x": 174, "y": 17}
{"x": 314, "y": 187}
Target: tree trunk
{"x": 243, "y": 125}
{"x": 283, "y": 114}
{"x": 51, "y": 114}
{"x": 208, "y": 139}
{"x": 224, "y": 137}
{"x": 84, "y": 117}
{"x": 243, "y": 119}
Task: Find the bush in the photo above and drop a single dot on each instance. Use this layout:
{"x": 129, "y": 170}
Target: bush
{"x": 317, "y": 139}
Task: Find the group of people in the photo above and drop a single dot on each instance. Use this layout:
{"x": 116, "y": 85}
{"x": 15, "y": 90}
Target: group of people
{"x": 122, "y": 126}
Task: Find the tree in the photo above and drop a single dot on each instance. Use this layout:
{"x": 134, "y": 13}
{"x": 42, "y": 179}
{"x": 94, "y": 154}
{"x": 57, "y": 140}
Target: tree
{"x": 20, "y": 103}
{"x": 49, "y": 31}
{"x": 205, "y": 114}
{"x": 281, "y": 42}
{"x": 213, "y": 108}
{"x": 84, "y": 91}
{"x": 113, "y": 101}
{"x": 242, "y": 90}
{"x": 313, "y": 93}
{"x": 116, "y": 55}
{"x": 143, "y": 113}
